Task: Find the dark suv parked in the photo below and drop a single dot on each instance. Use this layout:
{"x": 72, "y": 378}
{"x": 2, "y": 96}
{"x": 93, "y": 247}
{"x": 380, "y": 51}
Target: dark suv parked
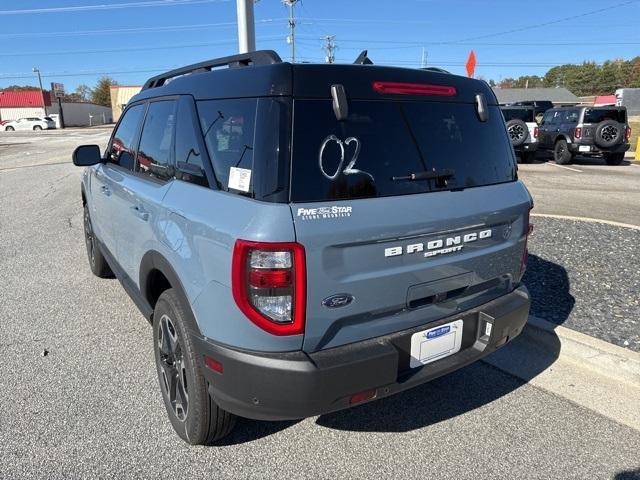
{"x": 589, "y": 131}
{"x": 306, "y": 238}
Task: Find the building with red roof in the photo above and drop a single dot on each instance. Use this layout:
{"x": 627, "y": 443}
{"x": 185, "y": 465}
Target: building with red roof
{"x": 15, "y": 104}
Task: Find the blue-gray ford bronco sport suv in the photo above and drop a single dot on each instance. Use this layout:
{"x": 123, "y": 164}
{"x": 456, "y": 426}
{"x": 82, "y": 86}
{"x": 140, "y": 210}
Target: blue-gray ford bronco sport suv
{"x": 305, "y": 238}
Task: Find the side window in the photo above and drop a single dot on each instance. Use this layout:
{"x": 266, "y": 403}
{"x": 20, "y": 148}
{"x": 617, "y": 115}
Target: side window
{"x": 546, "y": 118}
{"x": 572, "y": 116}
{"x": 122, "y": 146}
{"x": 188, "y": 156}
{"x": 155, "y": 150}
{"x": 228, "y": 129}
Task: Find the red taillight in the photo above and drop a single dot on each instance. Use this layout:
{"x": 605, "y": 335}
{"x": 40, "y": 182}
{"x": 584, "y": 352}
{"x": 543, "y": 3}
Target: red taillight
{"x": 362, "y": 396}
{"x": 535, "y": 132}
{"x": 213, "y": 364}
{"x": 578, "y": 132}
{"x": 268, "y": 281}
{"x": 627, "y": 133}
{"x": 414, "y": 88}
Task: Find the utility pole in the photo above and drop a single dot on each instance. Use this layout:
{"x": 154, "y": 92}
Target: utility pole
{"x": 292, "y": 26}
{"x": 246, "y": 26}
{"x": 329, "y": 48}
{"x": 44, "y": 104}
{"x": 423, "y": 60}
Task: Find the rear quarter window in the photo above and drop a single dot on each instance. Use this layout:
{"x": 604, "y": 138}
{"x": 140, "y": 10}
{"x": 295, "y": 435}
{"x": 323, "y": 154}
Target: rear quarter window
{"x": 358, "y": 157}
{"x": 597, "y": 115}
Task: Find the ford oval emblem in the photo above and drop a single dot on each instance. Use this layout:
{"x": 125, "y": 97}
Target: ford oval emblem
{"x": 338, "y": 300}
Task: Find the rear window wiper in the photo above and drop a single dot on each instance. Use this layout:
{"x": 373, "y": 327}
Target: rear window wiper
{"x": 440, "y": 176}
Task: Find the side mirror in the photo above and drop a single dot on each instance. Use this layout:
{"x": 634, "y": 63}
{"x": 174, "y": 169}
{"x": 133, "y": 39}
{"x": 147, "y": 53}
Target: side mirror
{"x": 86, "y": 155}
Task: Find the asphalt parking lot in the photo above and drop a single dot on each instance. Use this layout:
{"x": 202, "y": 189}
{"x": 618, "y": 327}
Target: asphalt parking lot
{"x": 91, "y": 406}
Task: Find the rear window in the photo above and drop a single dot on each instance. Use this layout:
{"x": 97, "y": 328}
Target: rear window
{"x": 358, "y": 157}
{"x": 597, "y": 115}
{"x": 524, "y": 114}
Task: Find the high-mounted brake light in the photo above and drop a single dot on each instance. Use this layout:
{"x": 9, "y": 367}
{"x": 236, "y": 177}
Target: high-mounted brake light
{"x": 535, "y": 132}
{"x": 268, "y": 281}
{"x": 578, "y": 132}
{"x": 414, "y": 88}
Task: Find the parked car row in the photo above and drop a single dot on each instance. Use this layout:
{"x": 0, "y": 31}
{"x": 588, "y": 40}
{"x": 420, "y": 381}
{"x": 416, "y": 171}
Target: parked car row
{"x": 30, "y": 123}
{"x": 567, "y": 131}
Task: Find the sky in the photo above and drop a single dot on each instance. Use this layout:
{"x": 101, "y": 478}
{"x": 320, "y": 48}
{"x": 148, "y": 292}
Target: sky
{"x": 77, "y": 41}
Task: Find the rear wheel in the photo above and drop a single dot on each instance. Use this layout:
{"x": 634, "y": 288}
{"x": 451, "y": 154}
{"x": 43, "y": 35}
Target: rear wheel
{"x": 613, "y": 158}
{"x": 37, "y": 127}
{"x": 194, "y": 415}
{"x": 97, "y": 262}
{"x": 561, "y": 153}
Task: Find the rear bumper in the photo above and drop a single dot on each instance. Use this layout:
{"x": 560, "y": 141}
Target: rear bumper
{"x": 292, "y": 385}
{"x": 526, "y": 147}
{"x": 596, "y": 150}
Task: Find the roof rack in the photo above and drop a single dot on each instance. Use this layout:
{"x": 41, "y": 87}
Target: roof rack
{"x": 259, "y": 57}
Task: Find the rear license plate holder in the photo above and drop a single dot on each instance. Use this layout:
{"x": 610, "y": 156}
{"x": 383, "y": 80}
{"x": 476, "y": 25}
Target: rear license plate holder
{"x": 435, "y": 343}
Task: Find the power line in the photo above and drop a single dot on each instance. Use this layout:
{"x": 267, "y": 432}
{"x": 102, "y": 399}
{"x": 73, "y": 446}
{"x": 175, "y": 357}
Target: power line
{"x": 129, "y": 49}
{"x": 113, "y": 6}
{"x": 201, "y": 26}
{"x": 543, "y": 24}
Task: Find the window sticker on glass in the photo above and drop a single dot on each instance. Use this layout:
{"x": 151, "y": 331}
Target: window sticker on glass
{"x": 239, "y": 179}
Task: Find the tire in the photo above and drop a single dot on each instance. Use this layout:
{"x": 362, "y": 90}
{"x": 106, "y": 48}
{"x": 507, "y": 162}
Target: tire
{"x": 608, "y": 133}
{"x": 518, "y": 131}
{"x": 37, "y": 127}
{"x": 561, "y": 153}
{"x": 194, "y": 415}
{"x": 613, "y": 158}
{"x": 97, "y": 262}
{"x": 9, "y": 129}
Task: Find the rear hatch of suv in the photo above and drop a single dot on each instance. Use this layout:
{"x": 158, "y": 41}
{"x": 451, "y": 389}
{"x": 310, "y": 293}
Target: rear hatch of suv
{"x": 386, "y": 251}
{"x": 604, "y": 126}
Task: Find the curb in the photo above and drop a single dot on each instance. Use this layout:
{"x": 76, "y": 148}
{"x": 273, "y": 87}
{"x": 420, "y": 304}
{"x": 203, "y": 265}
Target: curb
{"x": 605, "y": 358}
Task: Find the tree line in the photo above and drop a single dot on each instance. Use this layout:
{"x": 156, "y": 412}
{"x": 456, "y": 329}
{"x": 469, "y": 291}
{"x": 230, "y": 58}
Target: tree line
{"x": 588, "y": 78}
{"x": 100, "y": 94}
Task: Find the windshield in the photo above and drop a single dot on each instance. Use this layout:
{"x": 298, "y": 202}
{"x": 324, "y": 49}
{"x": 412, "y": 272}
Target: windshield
{"x": 597, "y": 115}
{"x": 359, "y": 157}
{"x": 524, "y": 114}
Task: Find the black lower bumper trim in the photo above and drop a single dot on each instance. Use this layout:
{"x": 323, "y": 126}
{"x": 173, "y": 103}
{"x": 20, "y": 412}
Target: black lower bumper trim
{"x": 292, "y": 385}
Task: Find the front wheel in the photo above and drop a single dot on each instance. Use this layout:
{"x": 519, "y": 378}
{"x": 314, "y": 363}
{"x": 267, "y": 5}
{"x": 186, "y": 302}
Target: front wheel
{"x": 194, "y": 415}
{"x": 97, "y": 262}
{"x": 9, "y": 129}
{"x": 561, "y": 153}
{"x": 614, "y": 158}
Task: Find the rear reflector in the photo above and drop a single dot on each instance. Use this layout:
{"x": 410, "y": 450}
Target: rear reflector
{"x": 578, "y": 132}
{"x": 535, "y": 132}
{"x": 363, "y": 396}
{"x": 414, "y": 88}
{"x": 213, "y": 364}
{"x": 627, "y": 133}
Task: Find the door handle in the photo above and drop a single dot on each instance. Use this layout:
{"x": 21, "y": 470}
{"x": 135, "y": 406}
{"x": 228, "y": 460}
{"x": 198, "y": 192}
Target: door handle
{"x": 105, "y": 190}
{"x": 140, "y": 212}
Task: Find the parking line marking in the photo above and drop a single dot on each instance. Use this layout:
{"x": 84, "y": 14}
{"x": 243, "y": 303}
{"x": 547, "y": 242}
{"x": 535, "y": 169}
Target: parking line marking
{"x": 562, "y": 166}
{"x": 586, "y": 219}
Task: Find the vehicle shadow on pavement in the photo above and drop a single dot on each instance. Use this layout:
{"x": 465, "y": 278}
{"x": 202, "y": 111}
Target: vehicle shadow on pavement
{"x": 628, "y": 475}
{"x": 250, "y": 430}
{"x": 478, "y": 384}
{"x": 548, "y": 285}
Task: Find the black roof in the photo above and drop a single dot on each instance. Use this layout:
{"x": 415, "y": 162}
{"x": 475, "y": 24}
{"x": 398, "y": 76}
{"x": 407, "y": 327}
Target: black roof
{"x": 268, "y": 76}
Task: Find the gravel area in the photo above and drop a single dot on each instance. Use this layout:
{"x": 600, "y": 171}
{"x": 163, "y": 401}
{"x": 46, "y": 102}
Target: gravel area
{"x": 586, "y": 276}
